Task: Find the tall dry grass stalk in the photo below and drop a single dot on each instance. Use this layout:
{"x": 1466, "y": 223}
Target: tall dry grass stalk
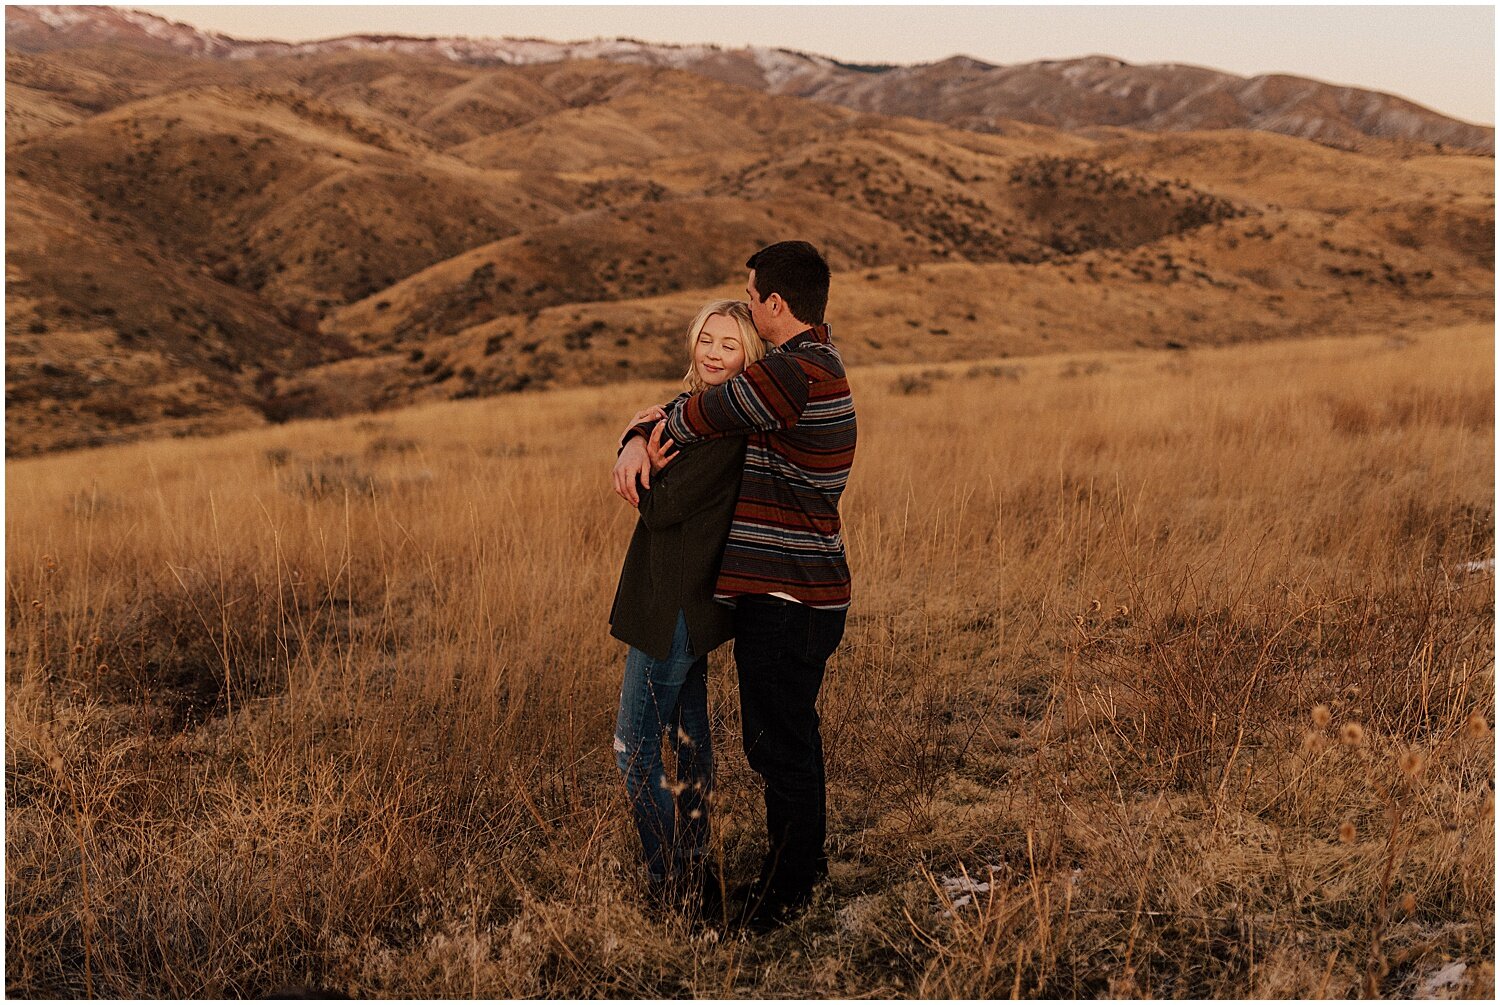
{"x": 1134, "y": 637}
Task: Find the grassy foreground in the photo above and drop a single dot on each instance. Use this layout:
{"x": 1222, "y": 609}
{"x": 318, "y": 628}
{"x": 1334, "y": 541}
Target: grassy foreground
{"x": 1166, "y": 676}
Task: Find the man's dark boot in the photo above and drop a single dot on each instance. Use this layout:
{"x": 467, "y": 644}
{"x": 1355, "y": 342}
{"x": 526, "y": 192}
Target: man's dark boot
{"x": 772, "y": 908}
{"x": 773, "y": 899}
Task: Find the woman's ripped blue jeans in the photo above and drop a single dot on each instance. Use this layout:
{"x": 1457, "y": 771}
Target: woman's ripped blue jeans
{"x": 670, "y": 697}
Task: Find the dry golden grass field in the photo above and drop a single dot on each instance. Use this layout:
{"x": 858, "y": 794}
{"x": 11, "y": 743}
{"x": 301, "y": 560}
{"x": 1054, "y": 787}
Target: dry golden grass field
{"x": 1178, "y": 657}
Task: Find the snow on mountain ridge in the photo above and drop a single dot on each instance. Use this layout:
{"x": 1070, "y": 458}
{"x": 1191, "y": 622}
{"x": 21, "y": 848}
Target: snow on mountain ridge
{"x": 58, "y": 15}
{"x": 1080, "y": 92}
{"x": 92, "y": 21}
{"x": 777, "y": 64}
{"x": 509, "y": 51}
{"x": 780, "y": 65}
{"x": 150, "y": 25}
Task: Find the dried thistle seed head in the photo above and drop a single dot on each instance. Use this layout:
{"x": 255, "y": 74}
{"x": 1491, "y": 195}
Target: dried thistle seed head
{"x": 1412, "y": 762}
{"x": 1352, "y": 734}
{"x": 1122, "y": 611}
{"x": 95, "y": 640}
{"x": 1314, "y": 743}
{"x": 1408, "y": 903}
{"x": 682, "y": 736}
{"x": 1347, "y": 833}
{"x": 78, "y": 649}
{"x": 1321, "y": 716}
{"x": 36, "y": 605}
{"x": 1094, "y": 605}
{"x": 102, "y": 667}
{"x": 1476, "y": 725}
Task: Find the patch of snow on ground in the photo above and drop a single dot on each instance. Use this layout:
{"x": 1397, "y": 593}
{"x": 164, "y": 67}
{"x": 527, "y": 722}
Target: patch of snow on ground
{"x": 964, "y": 884}
{"x": 1448, "y": 977}
{"x": 1480, "y": 565}
{"x": 965, "y": 887}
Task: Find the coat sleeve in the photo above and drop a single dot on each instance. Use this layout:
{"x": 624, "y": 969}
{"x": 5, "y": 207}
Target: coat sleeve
{"x": 770, "y": 394}
{"x": 697, "y": 479}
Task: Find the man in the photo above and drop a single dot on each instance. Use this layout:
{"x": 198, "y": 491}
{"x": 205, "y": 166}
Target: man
{"x": 784, "y": 568}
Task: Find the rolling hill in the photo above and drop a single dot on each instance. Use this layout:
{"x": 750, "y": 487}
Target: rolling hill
{"x": 206, "y": 238}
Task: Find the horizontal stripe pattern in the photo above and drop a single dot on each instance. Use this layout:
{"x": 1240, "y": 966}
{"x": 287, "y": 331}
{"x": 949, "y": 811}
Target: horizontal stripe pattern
{"x": 795, "y": 407}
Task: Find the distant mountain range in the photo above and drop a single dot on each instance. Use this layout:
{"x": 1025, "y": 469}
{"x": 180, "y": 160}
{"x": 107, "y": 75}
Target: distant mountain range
{"x": 1071, "y": 94}
{"x": 205, "y": 235}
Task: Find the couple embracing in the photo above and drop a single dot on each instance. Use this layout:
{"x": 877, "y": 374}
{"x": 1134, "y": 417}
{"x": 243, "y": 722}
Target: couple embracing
{"x": 737, "y": 483}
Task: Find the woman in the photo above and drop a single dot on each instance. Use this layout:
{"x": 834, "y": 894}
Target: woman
{"x": 664, "y": 608}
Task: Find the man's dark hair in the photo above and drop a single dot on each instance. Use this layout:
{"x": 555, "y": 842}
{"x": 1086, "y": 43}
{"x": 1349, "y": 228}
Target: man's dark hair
{"x": 795, "y": 270}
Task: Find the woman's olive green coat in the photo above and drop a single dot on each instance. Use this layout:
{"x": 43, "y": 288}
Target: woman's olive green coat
{"x": 674, "y": 554}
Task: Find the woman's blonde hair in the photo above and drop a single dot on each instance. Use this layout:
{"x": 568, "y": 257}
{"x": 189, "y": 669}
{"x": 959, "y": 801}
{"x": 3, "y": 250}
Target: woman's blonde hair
{"x": 739, "y": 311}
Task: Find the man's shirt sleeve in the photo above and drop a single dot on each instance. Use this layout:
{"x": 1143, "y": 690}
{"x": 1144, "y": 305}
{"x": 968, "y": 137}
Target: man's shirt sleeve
{"x": 770, "y": 394}
{"x": 643, "y": 429}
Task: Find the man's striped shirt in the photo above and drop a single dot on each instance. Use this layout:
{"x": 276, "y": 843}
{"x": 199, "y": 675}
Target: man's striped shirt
{"x": 795, "y": 409}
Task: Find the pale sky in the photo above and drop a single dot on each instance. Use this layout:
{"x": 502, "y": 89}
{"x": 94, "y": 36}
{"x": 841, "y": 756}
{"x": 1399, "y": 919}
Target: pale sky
{"x": 1442, "y": 57}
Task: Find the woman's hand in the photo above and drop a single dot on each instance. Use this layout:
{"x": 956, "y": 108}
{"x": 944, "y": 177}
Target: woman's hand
{"x": 645, "y": 415}
{"x": 658, "y": 449}
{"x": 634, "y": 462}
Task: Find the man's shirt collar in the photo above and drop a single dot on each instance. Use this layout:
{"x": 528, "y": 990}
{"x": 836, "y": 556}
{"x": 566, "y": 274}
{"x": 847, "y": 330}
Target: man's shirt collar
{"x": 817, "y": 333}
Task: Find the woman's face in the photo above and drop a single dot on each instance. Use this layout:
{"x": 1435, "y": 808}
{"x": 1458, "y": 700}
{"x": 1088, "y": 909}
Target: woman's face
{"x": 719, "y": 352}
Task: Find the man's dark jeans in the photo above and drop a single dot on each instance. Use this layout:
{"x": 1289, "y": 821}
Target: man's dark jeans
{"x": 780, "y": 649}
